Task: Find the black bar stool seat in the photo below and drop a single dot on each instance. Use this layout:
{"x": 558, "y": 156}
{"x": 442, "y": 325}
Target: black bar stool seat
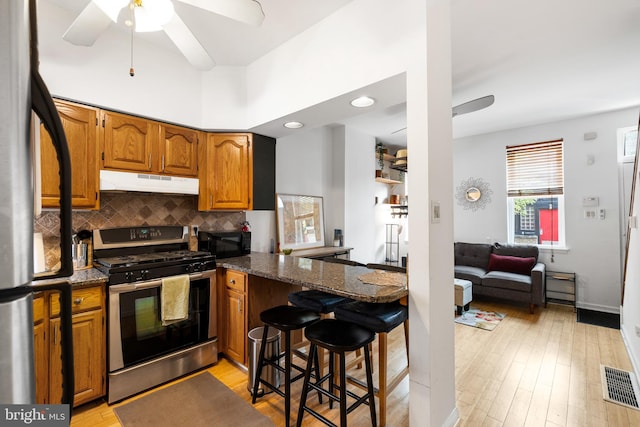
{"x": 338, "y": 337}
{"x": 285, "y": 318}
{"x": 317, "y": 301}
{"x": 379, "y": 317}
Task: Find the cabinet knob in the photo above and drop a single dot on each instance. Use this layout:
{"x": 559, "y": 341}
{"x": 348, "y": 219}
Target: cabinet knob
{"x": 232, "y": 281}
{"x": 77, "y": 301}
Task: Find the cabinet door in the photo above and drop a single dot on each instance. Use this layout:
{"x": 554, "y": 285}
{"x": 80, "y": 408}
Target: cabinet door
{"x": 88, "y": 358}
{"x": 230, "y": 171}
{"x": 178, "y": 150}
{"x": 128, "y": 143}
{"x": 80, "y": 125}
{"x": 40, "y": 352}
{"x": 235, "y": 334}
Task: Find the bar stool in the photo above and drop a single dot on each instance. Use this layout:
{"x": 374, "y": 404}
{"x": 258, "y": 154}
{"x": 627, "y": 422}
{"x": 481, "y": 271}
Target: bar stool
{"x": 381, "y": 318}
{"x": 285, "y": 318}
{"x": 320, "y": 302}
{"x": 338, "y": 337}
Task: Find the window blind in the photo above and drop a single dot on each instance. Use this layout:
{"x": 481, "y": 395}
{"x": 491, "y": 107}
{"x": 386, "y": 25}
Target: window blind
{"x": 535, "y": 169}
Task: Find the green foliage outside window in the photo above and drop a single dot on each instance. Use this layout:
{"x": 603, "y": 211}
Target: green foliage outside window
{"x": 520, "y": 205}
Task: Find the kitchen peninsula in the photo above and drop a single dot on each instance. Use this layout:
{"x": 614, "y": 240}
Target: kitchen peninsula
{"x": 250, "y": 284}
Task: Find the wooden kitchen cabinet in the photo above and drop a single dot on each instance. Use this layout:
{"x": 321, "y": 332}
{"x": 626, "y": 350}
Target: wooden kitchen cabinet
{"x": 135, "y": 144}
{"x": 81, "y": 128}
{"x": 237, "y": 172}
{"x": 128, "y": 142}
{"x": 89, "y": 347}
{"x": 234, "y": 316}
{"x": 178, "y": 150}
{"x": 40, "y": 348}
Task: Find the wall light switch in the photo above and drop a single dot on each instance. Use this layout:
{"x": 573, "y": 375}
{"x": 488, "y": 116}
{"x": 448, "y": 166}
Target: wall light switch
{"x": 602, "y": 213}
{"x": 435, "y": 212}
{"x": 589, "y": 214}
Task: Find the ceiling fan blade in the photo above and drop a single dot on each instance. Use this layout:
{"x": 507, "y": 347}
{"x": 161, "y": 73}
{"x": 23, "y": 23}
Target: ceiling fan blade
{"x": 246, "y": 11}
{"x": 88, "y": 26}
{"x": 187, "y": 43}
{"x": 474, "y": 105}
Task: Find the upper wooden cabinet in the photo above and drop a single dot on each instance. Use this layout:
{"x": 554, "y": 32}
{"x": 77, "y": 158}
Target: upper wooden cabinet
{"x": 237, "y": 172}
{"x": 141, "y": 145}
{"x": 128, "y": 142}
{"x": 228, "y": 175}
{"x": 80, "y": 125}
{"x": 179, "y": 150}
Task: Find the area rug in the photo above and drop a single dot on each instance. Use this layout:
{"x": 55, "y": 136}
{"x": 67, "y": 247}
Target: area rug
{"x": 487, "y": 320}
{"x": 199, "y": 401}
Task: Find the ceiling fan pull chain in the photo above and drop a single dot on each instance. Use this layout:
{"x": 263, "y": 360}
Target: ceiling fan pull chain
{"x": 132, "y": 72}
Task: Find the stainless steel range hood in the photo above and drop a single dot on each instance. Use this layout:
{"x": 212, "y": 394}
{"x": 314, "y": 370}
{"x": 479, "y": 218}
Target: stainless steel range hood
{"x": 147, "y": 183}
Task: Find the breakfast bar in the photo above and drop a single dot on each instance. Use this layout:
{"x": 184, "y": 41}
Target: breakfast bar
{"x": 250, "y": 284}
{"x": 359, "y": 283}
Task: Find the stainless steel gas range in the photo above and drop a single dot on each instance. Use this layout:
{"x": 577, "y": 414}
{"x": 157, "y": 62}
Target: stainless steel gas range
{"x": 143, "y": 353}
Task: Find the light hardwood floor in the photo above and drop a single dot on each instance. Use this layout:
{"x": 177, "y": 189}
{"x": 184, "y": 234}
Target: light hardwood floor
{"x": 532, "y": 370}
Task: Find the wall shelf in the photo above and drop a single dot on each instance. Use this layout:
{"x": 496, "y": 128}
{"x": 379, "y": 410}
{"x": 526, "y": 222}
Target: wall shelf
{"x": 388, "y": 181}
{"x": 561, "y": 288}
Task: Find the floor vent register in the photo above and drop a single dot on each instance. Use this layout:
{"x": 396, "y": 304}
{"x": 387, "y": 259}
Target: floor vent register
{"x": 619, "y": 386}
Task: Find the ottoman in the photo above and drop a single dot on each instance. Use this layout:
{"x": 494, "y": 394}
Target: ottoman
{"x": 462, "y": 294}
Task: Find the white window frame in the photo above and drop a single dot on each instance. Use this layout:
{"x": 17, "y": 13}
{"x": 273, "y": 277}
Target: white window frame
{"x": 511, "y": 218}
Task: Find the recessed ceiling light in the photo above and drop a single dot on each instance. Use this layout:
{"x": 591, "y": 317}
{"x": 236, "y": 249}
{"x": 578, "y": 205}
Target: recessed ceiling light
{"x": 293, "y": 125}
{"x": 363, "y": 101}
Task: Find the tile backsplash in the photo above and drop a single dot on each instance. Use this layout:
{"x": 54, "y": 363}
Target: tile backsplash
{"x": 133, "y": 209}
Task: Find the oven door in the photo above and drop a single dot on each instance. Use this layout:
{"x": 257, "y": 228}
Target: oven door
{"x": 136, "y": 333}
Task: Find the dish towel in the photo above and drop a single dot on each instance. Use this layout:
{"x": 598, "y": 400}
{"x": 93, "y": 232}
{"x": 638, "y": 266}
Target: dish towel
{"x": 174, "y": 299}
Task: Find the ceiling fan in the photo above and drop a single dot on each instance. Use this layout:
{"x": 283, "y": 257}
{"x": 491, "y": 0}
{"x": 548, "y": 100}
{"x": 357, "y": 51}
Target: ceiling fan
{"x": 156, "y": 15}
{"x": 473, "y": 105}
{"x": 466, "y": 107}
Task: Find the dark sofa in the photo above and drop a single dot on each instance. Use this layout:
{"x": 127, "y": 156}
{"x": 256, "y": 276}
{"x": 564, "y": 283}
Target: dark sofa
{"x": 510, "y": 272}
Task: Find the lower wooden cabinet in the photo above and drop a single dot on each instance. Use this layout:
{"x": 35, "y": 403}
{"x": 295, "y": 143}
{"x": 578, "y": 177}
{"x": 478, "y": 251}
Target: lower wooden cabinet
{"x": 89, "y": 347}
{"x": 233, "y": 325}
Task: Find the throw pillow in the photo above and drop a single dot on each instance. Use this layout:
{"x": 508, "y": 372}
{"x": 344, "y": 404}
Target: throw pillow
{"x": 511, "y": 264}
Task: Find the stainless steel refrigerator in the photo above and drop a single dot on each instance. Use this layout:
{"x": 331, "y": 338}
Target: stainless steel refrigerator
{"x": 21, "y": 92}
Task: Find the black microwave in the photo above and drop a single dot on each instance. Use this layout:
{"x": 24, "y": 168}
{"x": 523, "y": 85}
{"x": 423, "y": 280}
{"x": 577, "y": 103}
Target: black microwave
{"x": 225, "y": 244}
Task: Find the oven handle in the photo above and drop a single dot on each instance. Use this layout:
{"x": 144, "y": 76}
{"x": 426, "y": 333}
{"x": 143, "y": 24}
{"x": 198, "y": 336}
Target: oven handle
{"x": 138, "y": 286}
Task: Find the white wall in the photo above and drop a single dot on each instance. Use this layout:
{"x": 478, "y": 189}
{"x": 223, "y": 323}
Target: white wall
{"x": 593, "y": 245}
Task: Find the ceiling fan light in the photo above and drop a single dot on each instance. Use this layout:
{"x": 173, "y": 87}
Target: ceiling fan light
{"x": 144, "y": 22}
{"x": 152, "y": 15}
{"x": 111, "y": 8}
{"x": 160, "y": 11}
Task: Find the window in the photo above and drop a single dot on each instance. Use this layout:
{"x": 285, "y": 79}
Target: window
{"x": 627, "y": 142}
{"x": 535, "y": 193}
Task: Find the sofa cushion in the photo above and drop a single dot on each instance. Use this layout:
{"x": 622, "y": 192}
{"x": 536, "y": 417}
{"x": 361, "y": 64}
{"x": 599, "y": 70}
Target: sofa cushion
{"x": 472, "y": 254}
{"x": 501, "y": 279}
{"x": 511, "y": 264}
{"x": 473, "y": 274}
{"x": 523, "y": 251}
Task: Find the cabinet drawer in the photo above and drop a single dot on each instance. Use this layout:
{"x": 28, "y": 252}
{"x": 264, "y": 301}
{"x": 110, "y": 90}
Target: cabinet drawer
{"x": 81, "y": 300}
{"x": 38, "y": 309}
{"x": 236, "y": 280}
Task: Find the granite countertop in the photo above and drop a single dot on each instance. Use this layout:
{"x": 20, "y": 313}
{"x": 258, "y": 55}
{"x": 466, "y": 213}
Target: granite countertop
{"x": 337, "y": 279}
{"x": 80, "y": 278}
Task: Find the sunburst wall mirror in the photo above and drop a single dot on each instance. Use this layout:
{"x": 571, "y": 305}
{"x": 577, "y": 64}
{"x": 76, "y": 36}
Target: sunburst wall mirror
{"x": 473, "y": 193}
